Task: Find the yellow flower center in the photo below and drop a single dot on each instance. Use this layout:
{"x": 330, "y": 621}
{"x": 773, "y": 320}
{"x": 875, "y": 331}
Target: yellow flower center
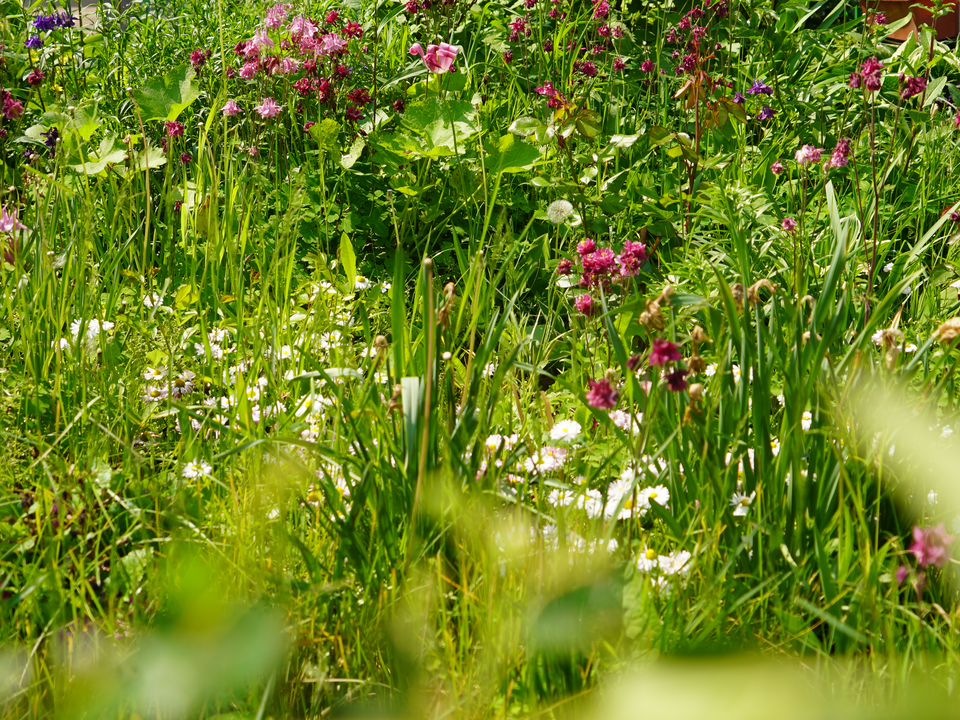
{"x": 650, "y": 554}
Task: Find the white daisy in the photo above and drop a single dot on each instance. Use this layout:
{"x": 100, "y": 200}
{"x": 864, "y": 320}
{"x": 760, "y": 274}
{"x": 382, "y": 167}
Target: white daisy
{"x": 568, "y": 430}
{"x": 197, "y": 469}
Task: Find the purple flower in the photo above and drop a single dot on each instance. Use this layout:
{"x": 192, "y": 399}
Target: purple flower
{"x": 602, "y": 395}
{"x": 663, "y": 352}
{"x": 758, "y": 88}
{"x": 930, "y": 546}
{"x": 34, "y": 42}
{"x": 676, "y": 380}
{"x": 765, "y": 113}
{"x": 738, "y": 98}
{"x": 44, "y": 23}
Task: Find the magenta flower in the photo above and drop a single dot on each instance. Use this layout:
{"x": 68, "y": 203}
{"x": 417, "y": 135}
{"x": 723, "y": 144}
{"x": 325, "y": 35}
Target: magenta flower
{"x": 841, "y": 154}
{"x": 12, "y": 109}
{"x": 564, "y": 267}
{"x": 584, "y": 305}
{"x": 437, "y": 58}
{"x": 663, "y": 352}
{"x": 303, "y": 27}
{"x": 260, "y": 40}
{"x": 647, "y": 66}
{"x": 777, "y": 168}
{"x": 586, "y": 246}
{"x": 766, "y": 113}
{"x": 872, "y": 72}
{"x": 276, "y": 16}
{"x": 930, "y": 546}
{"x": 231, "y": 108}
{"x": 789, "y": 224}
{"x": 268, "y": 109}
{"x": 758, "y": 88}
{"x": 174, "y": 129}
{"x": 632, "y": 257}
{"x": 249, "y": 70}
{"x": 602, "y": 395}
{"x": 912, "y": 86}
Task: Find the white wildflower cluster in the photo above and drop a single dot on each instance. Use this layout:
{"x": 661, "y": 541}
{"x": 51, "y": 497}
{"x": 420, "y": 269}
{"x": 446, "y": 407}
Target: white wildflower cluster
{"x": 659, "y": 567}
{"x": 87, "y": 334}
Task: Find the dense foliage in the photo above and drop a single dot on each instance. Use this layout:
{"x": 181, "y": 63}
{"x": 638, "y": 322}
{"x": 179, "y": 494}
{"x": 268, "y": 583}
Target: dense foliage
{"x": 450, "y": 357}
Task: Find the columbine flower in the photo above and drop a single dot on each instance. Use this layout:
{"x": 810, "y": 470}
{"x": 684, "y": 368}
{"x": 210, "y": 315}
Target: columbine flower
{"x": 912, "y": 86}
{"x": 777, "y": 168}
{"x": 808, "y": 154}
{"x": 766, "y": 113}
{"x": 9, "y": 221}
{"x": 841, "y": 154}
{"x": 930, "y": 546}
{"x": 663, "y": 352}
{"x": 558, "y": 211}
{"x": 789, "y": 224}
{"x": 437, "y": 58}
{"x": 584, "y": 305}
{"x": 758, "y": 88}
{"x": 602, "y": 395}
{"x": 568, "y": 430}
{"x": 872, "y": 73}
{"x": 676, "y": 380}
{"x": 268, "y": 109}
{"x": 231, "y": 108}
{"x": 197, "y": 469}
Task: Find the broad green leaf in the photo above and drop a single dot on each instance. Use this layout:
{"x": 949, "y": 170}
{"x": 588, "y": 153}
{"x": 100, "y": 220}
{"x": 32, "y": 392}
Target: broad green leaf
{"x": 164, "y": 98}
{"x": 524, "y": 126}
{"x": 659, "y": 135}
{"x": 349, "y": 159}
{"x": 510, "y": 155}
{"x": 325, "y": 133}
{"x": 623, "y": 141}
{"x": 934, "y": 90}
{"x": 589, "y": 123}
{"x": 111, "y": 152}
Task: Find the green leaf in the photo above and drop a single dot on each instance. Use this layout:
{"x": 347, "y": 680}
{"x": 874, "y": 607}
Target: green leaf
{"x": 623, "y": 141}
{"x": 325, "y": 134}
{"x": 510, "y": 155}
{"x": 164, "y": 98}
{"x": 440, "y": 121}
{"x": 348, "y": 259}
{"x": 111, "y": 152}
{"x": 934, "y": 90}
{"x": 524, "y": 126}
{"x": 82, "y": 120}
{"x": 589, "y": 123}
{"x": 660, "y": 135}
{"x": 349, "y": 159}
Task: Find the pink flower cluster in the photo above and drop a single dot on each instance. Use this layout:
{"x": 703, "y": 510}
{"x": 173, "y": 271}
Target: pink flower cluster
{"x": 600, "y": 267}
{"x": 870, "y": 75}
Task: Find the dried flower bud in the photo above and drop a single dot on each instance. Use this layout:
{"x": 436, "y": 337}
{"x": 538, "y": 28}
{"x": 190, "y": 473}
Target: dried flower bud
{"x": 380, "y": 342}
{"x": 611, "y": 374}
{"x": 652, "y": 317}
{"x": 753, "y": 292}
{"x": 737, "y": 290}
{"x": 948, "y": 331}
{"x": 696, "y": 392}
{"x": 699, "y": 335}
{"x": 696, "y": 364}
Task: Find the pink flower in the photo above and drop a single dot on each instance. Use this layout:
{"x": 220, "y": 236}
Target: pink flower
{"x": 276, "y": 16}
{"x": 564, "y": 267}
{"x": 777, "y": 168}
{"x": 288, "y": 66}
{"x": 902, "y": 572}
{"x": 584, "y": 305}
{"x": 647, "y": 66}
{"x": 930, "y": 546}
{"x": 9, "y": 222}
{"x": 632, "y": 257}
{"x": 231, "y": 108}
{"x": 331, "y": 44}
{"x": 602, "y": 395}
{"x": 268, "y": 109}
{"x": 663, "y": 352}
{"x": 789, "y": 224}
{"x": 12, "y": 109}
{"x": 912, "y": 86}
{"x": 303, "y": 27}
{"x": 808, "y": 154}
{"x": 437, "y": 58}
{"x": 586, "y": 246}
{"x": 841, "y": 154}
{"x": 249, "y": 70}
{"x": 260, "y": 40}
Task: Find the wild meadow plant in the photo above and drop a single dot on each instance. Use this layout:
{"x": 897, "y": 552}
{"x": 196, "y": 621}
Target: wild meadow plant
{"x": 435, "y": 357}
